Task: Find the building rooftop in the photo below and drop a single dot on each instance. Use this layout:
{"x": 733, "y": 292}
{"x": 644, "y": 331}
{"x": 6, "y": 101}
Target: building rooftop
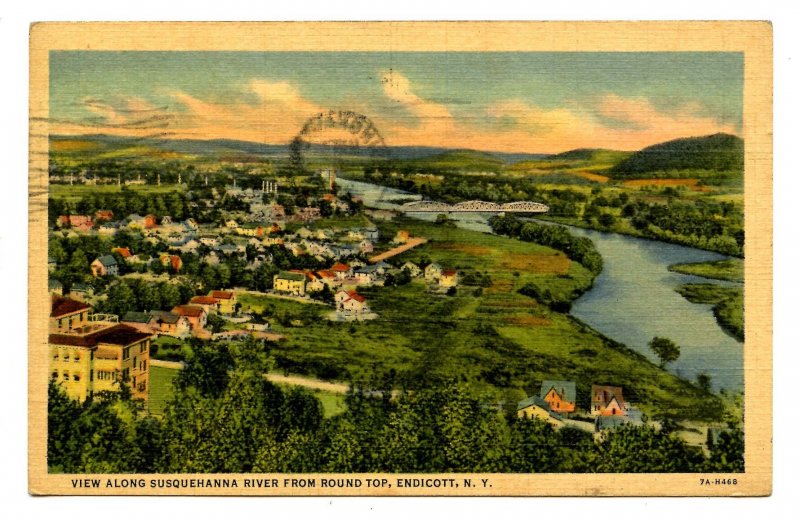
{"x": 115, "y": 335}
{"x": 62, "y": 306}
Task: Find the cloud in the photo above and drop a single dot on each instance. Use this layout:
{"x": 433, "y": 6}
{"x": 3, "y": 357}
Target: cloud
{"x": 274, "y": 111}
{"x": 274, "y": 114}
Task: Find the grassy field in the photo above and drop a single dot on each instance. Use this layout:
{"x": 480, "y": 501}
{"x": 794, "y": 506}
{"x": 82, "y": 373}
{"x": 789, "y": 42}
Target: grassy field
{"x": 160, "y": 388}
{"x": 731, "y": 270}
{"x": 491, "y": 337}
{"x": 78, "y": 191}
{"x": 728, "y": 304}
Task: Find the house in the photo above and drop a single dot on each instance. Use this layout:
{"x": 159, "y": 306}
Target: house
{"x": 141, "y": 321}
{"x": 449, "y": 278}
{"x": 315, "y": 282}
{"x": 124, "y": 252}
{"x": 195, "y": 315}
{"x": 77, "y": 222}
{"x": 81, "y": 291}
{"x": 535, "y": 407}
{"x": 166, "y": 220}
{"x": 150, "y": 221}
{"x": 210, "y": 240}
{"x": 208, "y": 303}
{"x": 108, "y": 228}
{"x": 170, "y": 324}
{"x": 412, "y": 269}
{"x": 341, "y": 271}
{"x": 289, "y": 282}
{"x": 92, "y": 353}
{"x": 559, "y": 395}
{"x": 401, "y": 237}
{"x": 136, "y": 221}
{"x": 226, "y": 301}
{"x": 350, "y": 303}
{"x": 307, "y": 214}
{"x": 433, "y": 272}
{"x": 191, "y": 224}
{"x": 277, "y": 212}
{"x": 368, "y": 274}
{"x": 55, "y": 287}
{"x": 365, "y": 246}
{"x": 607, "y": 400}
{"x": 327, "y": 277}
{"x": 172, "y": 261}
{"x": 103, "y": 215}
{"x": 105, "y": 265}
{"x": 371, "y": 233}
{"x": 232, "y": 224}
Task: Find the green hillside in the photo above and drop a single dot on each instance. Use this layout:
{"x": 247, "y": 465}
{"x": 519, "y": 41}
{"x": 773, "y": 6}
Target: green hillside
{"x": 713, "y": 153}
{"x": 464, "y": 160}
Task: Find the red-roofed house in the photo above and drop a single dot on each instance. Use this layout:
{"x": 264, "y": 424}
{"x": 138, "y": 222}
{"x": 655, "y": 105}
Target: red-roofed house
{"x": 150, "y": 221}
{"x": 103, "y": 214}
{"x": 607, "y": 400}
{"x": 124, "y": 252}
{"x": 449, "y": 278}
{"x": 77, "y": 222}
{"x": 351, "y": 303}
{"x": 341, "y": 271}
{"x": 173, "y": 261}
{"x": 226, "y": 299}
{"x": 208, "y": 303}
{"x": 195, "y": 315}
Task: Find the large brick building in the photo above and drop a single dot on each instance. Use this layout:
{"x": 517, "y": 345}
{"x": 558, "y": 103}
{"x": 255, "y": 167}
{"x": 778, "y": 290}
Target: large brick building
{"x": 91, "y": 353}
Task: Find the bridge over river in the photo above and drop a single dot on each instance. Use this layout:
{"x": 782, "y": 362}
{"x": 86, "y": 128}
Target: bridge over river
{"x": 474, "y": 206}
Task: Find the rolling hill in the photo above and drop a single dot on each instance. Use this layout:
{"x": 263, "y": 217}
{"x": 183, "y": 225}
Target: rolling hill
{"x": 713, "y": 153}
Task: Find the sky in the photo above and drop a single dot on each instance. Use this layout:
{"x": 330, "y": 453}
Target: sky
{"x": 526, "y": 102}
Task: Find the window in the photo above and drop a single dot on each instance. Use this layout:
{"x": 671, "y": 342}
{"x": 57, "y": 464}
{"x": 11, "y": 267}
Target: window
{"x": 76, "y": 377}
{"x": 125, "y": 374}
{"x": 54, "y": 375}
{"x": 143, "y": 366}
{"x": 126, "y": 353}
{"x": 135, "y": 363}
{"x": 91, "y": 375}
{"x": 66, "y": 376}
{"x": 143, "y": 346}
{"x": 77, "y": 358}
{"x": 55, "y": 355}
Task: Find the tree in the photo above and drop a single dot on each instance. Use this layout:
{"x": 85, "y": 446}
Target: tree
{"x": 704, "y": 382}
{"x": 666, "y": 350}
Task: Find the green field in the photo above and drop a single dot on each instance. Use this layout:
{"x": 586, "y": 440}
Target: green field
{"x": 731, "y": 270}
{"x": 491, "y": 337}
{"x": 76, "y": 192}
{"x": 160, "y": 388}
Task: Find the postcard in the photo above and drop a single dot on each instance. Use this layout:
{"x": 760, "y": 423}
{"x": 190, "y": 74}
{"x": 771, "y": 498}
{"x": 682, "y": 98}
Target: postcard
{"x": 400, "y": 258}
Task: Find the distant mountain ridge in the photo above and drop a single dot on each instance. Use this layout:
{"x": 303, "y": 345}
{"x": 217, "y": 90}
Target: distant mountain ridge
{"x": 104, "y": 142}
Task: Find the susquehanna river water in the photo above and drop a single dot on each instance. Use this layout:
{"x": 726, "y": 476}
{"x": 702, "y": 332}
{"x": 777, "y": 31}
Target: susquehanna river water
{"x": 633, "y": 299}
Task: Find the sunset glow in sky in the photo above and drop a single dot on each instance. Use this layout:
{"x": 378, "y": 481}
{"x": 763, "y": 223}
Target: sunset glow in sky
{"x": 511, "y": 102}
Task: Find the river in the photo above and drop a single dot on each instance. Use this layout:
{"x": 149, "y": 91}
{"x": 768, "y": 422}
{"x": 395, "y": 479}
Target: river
{"x": 633, "y": 299}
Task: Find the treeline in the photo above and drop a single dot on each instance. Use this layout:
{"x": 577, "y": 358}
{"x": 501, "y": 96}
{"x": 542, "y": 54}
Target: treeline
{"x": 579, "y": 249}
{"x": 716, "y": 226}
{"x": 205, "y": 428}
